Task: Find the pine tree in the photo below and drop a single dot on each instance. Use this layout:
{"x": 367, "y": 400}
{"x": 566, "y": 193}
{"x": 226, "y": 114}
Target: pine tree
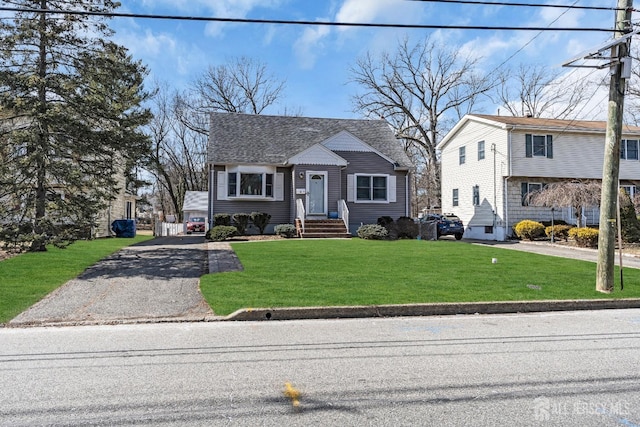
{"x": 70, "y": 111}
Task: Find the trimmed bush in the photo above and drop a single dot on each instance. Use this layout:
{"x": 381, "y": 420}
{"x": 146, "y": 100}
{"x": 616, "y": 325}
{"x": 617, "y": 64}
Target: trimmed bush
{"x": 528, "y": 229}
{"x": 372, "y": 232}
{"x": 241, "y": 222}
{"x": 285, "y": 230}
{"x": 221, "y": 232}
{"x": 221, "y": 219}
{"x": 407, "y": 228}
{"x": 559, "y": 231}
{"x": 260, "y": 220}
{"x": 585, "y": 236}
{"x": 629, "y": 224}
{"x": 385, "y": 221}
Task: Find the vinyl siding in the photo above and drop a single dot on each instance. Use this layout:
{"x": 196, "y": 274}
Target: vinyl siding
{"x": 368, "y": 213}
{"x": 280, "y": 211}
{"x": 488, "y": 174}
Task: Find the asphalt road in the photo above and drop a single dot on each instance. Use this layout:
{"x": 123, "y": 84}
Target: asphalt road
{"x": 549, "y": 369}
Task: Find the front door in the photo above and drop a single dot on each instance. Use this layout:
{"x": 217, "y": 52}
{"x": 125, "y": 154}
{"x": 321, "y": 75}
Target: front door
{"x": 316, "y": 193}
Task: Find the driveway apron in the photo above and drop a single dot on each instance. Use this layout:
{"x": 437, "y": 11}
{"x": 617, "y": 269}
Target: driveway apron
{"x": 151, "y": 281}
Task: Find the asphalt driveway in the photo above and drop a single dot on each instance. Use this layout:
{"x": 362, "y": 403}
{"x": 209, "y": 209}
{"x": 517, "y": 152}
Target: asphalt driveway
{"x": 152, "y": 281}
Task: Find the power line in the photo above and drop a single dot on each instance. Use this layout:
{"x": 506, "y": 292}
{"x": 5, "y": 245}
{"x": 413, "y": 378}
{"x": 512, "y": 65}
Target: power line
{"x": 503, "y": 3}
{"x": 289, "y": 22}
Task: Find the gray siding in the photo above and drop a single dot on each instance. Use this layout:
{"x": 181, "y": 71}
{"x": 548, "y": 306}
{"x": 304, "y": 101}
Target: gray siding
{"x": 334, "y": 181}
{"x": 368, "y": 213}
{"x": 280, "y": 211}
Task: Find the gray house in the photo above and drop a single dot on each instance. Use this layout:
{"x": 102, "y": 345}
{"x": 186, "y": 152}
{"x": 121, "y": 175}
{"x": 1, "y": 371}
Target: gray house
{"x": 302, "y": 170}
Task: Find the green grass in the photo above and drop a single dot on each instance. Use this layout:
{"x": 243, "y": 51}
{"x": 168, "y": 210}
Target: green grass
{"x": 303, "y": 273}
{"x": 27, "y": 278}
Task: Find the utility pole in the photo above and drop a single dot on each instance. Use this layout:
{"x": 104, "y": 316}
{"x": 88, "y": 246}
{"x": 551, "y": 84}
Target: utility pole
{"x": 611, "y": 166}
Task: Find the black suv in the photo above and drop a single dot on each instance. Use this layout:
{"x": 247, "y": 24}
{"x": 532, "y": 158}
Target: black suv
{"x": 448, "y": 224}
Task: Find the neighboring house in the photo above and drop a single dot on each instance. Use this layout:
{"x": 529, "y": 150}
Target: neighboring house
{"x": 195, "y": 205}
{"x": 306, "y": 168}
{"x": 123, "y": 206}
{"x": 491, "y": 163}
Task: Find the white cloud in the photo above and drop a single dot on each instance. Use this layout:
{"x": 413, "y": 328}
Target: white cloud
{"x": 309, "y": 46}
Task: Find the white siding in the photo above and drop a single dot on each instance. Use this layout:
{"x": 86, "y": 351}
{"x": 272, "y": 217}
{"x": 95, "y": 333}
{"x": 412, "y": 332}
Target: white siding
{"x": 487, "y": 174}
{"x": 576, "y": 156}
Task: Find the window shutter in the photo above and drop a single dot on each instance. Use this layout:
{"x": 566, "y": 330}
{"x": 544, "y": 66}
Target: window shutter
{"x": 351, "y": 188}
{"x": 549, "y": 147}
{"x": 524, "y": 189}
{"x": 222, "y": 186}
{"x": 279, "y": 192}
{"x": 528, "y": 145}
{"x": 391, "y": 183}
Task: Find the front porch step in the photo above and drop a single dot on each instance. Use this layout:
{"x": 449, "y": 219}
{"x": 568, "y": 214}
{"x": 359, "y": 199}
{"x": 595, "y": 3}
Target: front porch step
{"x": 323, "y": 229}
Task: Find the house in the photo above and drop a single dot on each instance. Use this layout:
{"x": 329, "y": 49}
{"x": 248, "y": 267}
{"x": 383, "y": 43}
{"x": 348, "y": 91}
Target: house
{"x": 302, "y": 168}
{"x": 491, "y": 163}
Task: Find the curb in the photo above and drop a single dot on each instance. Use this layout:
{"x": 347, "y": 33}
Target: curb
{"x": 434, "y": 309}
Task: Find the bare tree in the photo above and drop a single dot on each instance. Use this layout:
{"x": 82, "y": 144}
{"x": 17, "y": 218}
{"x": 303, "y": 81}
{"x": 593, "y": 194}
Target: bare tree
{"x": 575, "y": 194}
{"x": 537, "y": 91}
{"x": 178, "y": 156}
{"x": 421, "y": 90}
{"x": 632, "y": 103}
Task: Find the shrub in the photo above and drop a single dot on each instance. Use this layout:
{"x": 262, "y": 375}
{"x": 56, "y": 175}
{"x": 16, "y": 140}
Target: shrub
{"x": 559, "y": 231}
{"x": 241, "y": 222}
{"x": 260, "y": 220}
{"x": 585, "y": 236}
{"x": 372, "y": 232}
{"x": 629, "y": 224}
{"x": 221, "y": 219}
{"x": 285, "y": 230}
{"x": 528, "y": 229}
{"x": 221, "y": 232}
{"x": 407, "y": 228}
{"x": 385, "y": 221}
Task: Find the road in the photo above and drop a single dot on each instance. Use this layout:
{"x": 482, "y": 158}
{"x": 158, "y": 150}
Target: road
{"x": 551, "y": 369}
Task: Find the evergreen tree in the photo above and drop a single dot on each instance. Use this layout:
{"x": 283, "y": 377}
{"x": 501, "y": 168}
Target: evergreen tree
{"x": 629, "y": 224}
{"x": 70, "y": 111}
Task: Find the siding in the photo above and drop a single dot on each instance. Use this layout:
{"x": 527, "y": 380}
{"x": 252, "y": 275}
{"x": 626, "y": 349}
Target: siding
{"x": 575, "y": 156}
{"x": 488, "y": 174}
{"x": 333, "y": 184}
{"x": 280, "y": 211}
{"x": 368, "y": 213}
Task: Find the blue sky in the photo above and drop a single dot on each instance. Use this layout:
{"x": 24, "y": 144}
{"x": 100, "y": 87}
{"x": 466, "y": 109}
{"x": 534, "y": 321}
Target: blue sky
{"x": 315, "y": 60}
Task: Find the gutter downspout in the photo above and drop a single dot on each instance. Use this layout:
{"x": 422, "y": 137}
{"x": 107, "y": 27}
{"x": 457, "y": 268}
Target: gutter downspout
{"x": 506, "y": 182}
{"x": 407, "y": 195}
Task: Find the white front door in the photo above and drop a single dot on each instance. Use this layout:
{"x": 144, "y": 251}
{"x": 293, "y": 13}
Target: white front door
{"x": 316, "y": 193}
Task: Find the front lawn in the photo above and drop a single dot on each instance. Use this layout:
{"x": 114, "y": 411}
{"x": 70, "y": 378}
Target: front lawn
{"x": 298, "y": 273}
{"x": 27, "y": 278}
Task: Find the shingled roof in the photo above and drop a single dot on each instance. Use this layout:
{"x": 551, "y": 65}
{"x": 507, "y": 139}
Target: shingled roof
{"x": 261, "y": 139}
{"x": 564, "y": 125}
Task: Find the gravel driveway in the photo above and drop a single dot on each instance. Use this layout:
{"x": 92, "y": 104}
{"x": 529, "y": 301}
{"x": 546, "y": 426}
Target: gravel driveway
{"x": 152, "y": 281}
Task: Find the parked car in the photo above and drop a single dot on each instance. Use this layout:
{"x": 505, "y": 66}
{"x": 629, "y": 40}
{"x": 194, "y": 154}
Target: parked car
{"x": 195, "y": 225}
{"x": 448, "y": 224}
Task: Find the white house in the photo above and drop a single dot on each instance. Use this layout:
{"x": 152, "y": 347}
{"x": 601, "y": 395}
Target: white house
{"x": 490, "y": 163}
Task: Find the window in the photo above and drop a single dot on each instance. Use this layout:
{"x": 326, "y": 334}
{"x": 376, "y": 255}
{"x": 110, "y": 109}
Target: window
{"x": 371, "y": 187}
{"x": 455, "y": 197}
{"x": 480, "y": 150}
{"x": 629, "y": 149}
{"x": 249, "y": 182}
{"x": 629, "y": 189}
{"x": 488, "y": 229}
{"x": 539, "y": 146}
{"x": 476, "y": 195}
{"x": 528, "y": 188}
{"x": 461, "y": 155}
{"x": 128, "y": 210}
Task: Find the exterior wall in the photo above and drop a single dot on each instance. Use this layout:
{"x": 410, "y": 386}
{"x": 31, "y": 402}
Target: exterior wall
{"x": 280, "y": 211}
{"x": 368, "y": 213}
{"x": 487, "y": 219}
{"x": 116, "y": 209}
{"x": 575, "y": 156}
{"x": 333, "y": 185}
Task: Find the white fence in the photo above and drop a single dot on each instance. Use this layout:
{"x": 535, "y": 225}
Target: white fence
{"x": 168, "y": 229}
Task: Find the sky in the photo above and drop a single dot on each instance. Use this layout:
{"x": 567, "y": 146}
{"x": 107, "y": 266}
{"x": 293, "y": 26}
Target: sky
{"x": 315, "y": 61}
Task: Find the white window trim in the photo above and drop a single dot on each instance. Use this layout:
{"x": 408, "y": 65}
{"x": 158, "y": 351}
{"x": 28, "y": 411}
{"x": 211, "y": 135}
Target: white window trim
{"x": 277, "y": 184}
{"x": 352, "y": 193}
{"x": 623, "y": 149}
